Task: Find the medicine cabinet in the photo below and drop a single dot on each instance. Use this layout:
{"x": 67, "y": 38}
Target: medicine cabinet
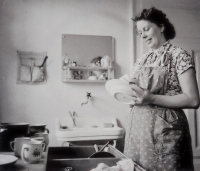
{"x": 87, "y": 58}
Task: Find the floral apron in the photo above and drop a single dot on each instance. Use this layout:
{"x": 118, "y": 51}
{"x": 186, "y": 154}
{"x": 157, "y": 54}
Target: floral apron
{"x": 157, "y": 138}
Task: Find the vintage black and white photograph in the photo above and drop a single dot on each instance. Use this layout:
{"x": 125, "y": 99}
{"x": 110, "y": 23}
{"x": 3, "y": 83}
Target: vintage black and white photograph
{"x": 99, "y": 85}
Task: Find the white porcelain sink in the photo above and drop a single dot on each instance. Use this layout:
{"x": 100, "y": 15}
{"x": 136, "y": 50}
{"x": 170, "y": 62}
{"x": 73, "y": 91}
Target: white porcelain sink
{"x": 88, "y": 129}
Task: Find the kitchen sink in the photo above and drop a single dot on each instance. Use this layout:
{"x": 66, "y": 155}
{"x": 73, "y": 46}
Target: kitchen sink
{"x": 81, "y": 129}
{"x": 61, "y": 158}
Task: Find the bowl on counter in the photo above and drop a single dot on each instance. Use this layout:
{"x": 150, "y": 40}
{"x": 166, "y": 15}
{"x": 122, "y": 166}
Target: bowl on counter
{"x": 37, "y": 128}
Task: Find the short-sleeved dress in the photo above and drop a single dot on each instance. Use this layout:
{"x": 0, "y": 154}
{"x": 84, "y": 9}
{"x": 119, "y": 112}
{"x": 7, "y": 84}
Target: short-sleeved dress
{"x": 158, "y": 138}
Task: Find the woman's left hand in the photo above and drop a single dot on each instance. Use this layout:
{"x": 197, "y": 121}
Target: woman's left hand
{"x": 141, "y": 96}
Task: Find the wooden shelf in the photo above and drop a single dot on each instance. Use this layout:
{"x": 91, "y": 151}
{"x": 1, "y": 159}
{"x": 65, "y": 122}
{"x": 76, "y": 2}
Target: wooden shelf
{"x": 88, "y": 68}
{"x": 84, "y": 81}
{"x": 88, "y": 71}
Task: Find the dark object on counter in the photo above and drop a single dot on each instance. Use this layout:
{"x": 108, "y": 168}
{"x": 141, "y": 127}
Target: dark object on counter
{"x": 20, "y": 128}
{"x": 76, "y": 157}
{"x": 37, "y": 128}
{"x": 101, "y": 153}
{"x": 3, "y": 125}
{"x": 10, "y": 132}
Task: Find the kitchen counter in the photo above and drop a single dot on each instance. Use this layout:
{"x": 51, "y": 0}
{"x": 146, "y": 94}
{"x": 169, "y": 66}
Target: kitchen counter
{"x": 21, "y": 166}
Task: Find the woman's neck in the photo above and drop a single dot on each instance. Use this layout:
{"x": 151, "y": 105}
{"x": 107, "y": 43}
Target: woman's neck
{"x": 162, "y": 42}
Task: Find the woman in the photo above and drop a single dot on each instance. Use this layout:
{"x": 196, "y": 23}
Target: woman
{"x": 163, "y": 83}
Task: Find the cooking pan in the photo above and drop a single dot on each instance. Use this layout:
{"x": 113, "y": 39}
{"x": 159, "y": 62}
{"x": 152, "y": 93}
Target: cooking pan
{"x": 18, "y": 125}
{"x": 101, "y": 153}
{"x": 12, "y": 131}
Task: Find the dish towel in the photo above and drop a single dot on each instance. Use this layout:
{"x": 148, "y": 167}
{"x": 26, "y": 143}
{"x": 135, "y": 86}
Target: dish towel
{"x": 122, "y": 165}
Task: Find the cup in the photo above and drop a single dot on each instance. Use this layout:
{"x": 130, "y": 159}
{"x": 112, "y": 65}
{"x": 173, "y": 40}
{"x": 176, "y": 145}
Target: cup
{"x": 16, "y": 145}
{"x": 32, "y": 151}
{"x": 41, "y": 139}
{"x": 45, "y": 136}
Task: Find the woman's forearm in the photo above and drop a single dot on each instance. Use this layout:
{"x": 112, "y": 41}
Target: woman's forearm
{"x": 178, "y": 101}
{"x": 188, "y": 99}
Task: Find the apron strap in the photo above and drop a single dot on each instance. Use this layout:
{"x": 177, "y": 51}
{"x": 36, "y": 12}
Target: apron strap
{"x": 165, "y": 59}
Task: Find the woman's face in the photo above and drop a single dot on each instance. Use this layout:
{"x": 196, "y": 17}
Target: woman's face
{"x": 151, "y": 34}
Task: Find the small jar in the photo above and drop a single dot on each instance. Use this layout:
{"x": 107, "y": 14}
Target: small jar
{"x": 107, "y": 62}
{"x": 102, "y": 62}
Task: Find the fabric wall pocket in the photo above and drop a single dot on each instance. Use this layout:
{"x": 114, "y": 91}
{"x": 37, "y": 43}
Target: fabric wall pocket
{"x": 38, "y": 73}
{"x": 32, "y": 68}
{"x": 25, "y": 73}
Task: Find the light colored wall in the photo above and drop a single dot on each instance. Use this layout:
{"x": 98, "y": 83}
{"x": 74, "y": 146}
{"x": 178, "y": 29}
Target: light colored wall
{"x": 184, "y": 15}
{"x": 37, "y": 25}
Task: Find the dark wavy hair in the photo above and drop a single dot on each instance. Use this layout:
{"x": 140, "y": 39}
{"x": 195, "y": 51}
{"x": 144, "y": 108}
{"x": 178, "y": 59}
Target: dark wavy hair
{"x": 159, "y": 18}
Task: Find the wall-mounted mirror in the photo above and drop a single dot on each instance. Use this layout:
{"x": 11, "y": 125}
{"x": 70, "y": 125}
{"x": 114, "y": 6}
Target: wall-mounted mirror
{"x": 80, "y": 51}
{"x": 83, "y": 48}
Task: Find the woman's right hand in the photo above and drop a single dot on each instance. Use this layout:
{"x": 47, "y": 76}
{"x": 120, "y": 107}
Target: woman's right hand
{"x": 131, "y": 82}
{"x": 140, "y": 96}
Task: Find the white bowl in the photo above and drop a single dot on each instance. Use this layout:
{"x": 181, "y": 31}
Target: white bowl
{"x": 120, "y": 90}
{"x": 92, "y": 78}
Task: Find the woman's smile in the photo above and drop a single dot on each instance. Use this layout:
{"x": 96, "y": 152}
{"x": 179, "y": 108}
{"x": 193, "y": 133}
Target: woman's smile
{"x": 151, "y": 34}
{"x": 148, "y": 41}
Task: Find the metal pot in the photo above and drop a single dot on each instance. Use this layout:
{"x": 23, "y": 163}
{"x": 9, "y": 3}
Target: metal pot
{"x": 17, "y": 127}
{"x": 12, "y": 131}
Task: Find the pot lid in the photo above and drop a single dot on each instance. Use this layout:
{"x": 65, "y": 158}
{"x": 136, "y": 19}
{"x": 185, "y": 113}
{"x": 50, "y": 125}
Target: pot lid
{"x": 16, "y": 124}
{"x": 38, "y": 124}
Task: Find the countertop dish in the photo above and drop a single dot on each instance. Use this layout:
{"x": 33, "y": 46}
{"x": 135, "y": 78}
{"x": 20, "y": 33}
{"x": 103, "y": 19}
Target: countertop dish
{"x": 7, "y": 159}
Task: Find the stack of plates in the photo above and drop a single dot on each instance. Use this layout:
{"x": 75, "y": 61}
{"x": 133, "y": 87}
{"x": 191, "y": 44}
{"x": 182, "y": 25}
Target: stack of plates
{"x": 120, "y": 90}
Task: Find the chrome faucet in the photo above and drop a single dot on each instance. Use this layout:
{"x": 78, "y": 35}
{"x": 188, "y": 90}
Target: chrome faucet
{"x": 88, "y": 96}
